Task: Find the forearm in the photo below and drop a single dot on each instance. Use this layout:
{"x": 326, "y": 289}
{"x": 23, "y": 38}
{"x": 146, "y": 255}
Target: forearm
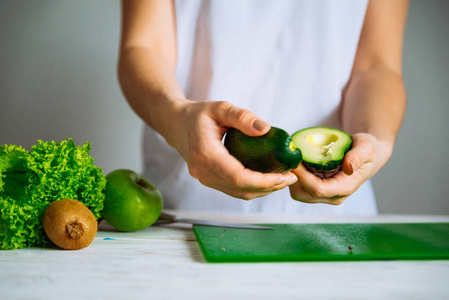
{"x": 374, "y": 102}
{"x": 150, "y": 87}
{"x": 373, "y": 106}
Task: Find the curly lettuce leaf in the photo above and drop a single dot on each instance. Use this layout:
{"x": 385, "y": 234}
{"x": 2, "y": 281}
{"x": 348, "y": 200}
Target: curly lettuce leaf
{"x": 31, "y": 180}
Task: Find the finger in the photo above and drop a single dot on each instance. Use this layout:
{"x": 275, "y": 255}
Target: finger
{"x": 227, "y": 168}
{"x": 211, "y": 179}
{"x": 241, "y": 194}
{"x": 363, "y": 150}
{"x": 338, "y": 186}
{"x": 307, "y": 180}
{"x": 298, "y": 193}
{"x": 248, "y": 180}
{"x": 241, "y": 119}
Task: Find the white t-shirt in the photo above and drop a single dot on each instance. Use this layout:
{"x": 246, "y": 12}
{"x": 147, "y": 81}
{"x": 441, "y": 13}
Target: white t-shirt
{"x": 285, "y": 60}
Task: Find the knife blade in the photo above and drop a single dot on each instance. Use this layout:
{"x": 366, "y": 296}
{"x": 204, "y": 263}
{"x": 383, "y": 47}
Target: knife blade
{"x": 170, "y": 218}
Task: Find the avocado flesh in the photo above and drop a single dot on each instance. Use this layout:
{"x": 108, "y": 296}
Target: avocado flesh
{"x": 273, "y": 152}
{"x": 323, "y": 149}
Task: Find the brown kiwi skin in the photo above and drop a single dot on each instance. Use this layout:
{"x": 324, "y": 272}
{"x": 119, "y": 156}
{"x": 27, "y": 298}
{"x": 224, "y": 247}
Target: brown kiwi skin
{"x": 69, "y": 224}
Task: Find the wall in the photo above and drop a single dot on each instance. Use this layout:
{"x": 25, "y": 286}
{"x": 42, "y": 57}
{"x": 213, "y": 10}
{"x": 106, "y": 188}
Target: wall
{"x": 416, "y": 179}
{"x": 58, "y": 80}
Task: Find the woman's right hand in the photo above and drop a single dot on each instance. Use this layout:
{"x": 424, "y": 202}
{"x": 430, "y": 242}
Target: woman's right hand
{"x": 146, "y": 75}
{"x": 197, "y": 133}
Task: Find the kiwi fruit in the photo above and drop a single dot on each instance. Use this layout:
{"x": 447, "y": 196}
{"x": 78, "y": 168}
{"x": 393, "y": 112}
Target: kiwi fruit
{"x": 69, "y": 224}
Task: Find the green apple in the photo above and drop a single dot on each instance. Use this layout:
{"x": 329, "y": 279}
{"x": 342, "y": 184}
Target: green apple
{"x": 132, "y": 203}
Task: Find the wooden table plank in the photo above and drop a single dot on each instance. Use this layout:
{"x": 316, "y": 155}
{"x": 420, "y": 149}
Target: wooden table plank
{"x": 166, "y": 263}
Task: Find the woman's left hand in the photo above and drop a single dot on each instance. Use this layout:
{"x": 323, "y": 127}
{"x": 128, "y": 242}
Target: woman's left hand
{"x": 365, "y": 158}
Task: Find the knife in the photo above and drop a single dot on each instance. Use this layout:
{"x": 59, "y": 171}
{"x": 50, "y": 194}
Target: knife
{"x": 166, "y": 218}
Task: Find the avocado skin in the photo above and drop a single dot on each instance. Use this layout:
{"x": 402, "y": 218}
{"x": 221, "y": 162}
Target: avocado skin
{"x": 323, "y": 170}
{"x": 269, "y": 153}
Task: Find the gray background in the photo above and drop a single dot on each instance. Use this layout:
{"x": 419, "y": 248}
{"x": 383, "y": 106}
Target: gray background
{"x": 58, "y": 80}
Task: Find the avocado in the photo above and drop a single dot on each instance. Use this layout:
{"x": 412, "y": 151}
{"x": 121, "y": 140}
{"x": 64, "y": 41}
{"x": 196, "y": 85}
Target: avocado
{"x": 273, "y": 152}
{"x": 323, "y": 149}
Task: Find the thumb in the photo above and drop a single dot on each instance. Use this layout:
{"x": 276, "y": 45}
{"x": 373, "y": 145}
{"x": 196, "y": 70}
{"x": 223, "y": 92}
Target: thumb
{"x": 362, "y": 152}
{"x": 242, "y": 119}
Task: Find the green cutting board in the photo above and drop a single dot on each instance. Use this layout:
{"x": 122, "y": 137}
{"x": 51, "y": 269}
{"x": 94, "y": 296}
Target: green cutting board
{"x": 325, "y": 242}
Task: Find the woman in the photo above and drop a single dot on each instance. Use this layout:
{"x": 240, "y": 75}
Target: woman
{"x": 290, "y": 64}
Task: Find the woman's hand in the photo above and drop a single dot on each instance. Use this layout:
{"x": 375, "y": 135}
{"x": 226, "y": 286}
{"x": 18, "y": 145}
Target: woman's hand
{"x": 197, "y": 135}
{"x": 146, "y": 74}
{"x": 365, "y": 158}
{"x": 373, "y": 102}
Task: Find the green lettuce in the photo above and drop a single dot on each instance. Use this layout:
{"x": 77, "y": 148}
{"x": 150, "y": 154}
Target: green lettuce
{"x": 31, "y": 180}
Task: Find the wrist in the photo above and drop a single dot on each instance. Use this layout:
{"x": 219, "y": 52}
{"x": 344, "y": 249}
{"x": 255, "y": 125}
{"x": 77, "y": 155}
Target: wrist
{"x": 167, "y": 117}
{"x": 384, "y": 150}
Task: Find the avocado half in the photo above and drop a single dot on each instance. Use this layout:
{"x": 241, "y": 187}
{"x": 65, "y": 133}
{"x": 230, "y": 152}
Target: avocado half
{"x": 323, "y": 149}
{"x": 273, "y": 152}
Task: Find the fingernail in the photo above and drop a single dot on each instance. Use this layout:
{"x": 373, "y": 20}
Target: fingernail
{"x": 353, "y": 167}
{"x": 280, "y": 180}
{"x": 292, "y": 180}
{"x": 260, "y": 125}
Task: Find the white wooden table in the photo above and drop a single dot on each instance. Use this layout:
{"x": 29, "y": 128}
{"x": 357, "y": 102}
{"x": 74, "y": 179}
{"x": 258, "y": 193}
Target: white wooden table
{"x": 166, "y": 263}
